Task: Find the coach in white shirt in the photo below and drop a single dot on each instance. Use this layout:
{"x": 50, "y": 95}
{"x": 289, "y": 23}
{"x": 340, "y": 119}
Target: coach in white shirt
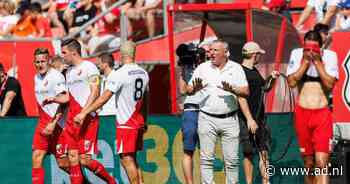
{"x": 221, "y": 80}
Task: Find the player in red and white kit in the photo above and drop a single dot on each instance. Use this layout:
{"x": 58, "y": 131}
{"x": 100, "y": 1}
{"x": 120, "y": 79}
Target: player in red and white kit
{"x": 50, "y": 92}
{"x": 83, "y": 87}
{"x": 129, "y": 84}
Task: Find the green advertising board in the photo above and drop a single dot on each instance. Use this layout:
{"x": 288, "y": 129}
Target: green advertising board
{"x": 160, "y": 160}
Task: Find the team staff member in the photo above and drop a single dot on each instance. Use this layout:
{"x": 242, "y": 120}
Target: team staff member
{"x": 48, "y": 138}
{"x": 254, "y": 133}
{"x": 83, "y": 87}
{"x": 11, "y": 100}
{"x": 129, "y": 83}
{"x": 315, "y": 73}
{"x": 218, "y": 111}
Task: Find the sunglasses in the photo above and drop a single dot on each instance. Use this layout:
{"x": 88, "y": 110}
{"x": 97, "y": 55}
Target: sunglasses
{"x": 39, "y": 61}
{"x": 344, "y": 8}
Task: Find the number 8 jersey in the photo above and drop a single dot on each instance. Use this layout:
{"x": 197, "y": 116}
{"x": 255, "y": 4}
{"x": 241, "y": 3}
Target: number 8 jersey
{"x": 129, "y": 84}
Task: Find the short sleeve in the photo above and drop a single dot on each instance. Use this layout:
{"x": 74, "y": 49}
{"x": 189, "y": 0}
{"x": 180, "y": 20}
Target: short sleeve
{"x": 113, "y": 82}
{"x": 13, "y": 85}
{"x": 92, "y": 70}
{"x": 331, "y": 65}
{"x": 60, "y": 85}
{"x": 240, "y": 77}
{"x": 294, "y": 62}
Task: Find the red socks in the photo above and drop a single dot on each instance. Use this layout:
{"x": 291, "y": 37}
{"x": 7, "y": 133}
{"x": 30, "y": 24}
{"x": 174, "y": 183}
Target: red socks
{"x": 101, "y": 172}
{"x": 38, "y": 175}
{"x": 76, "y": 177}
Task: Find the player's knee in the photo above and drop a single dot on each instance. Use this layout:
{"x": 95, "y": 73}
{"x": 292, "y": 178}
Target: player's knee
{"x": 321, "y": 163}
{"x": 309, "y": 162}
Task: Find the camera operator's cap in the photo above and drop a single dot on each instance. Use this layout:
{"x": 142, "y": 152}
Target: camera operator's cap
{"x": 128, "y": 48}
{"x": 344, "y": 4}
{"x": 252, "y": 47}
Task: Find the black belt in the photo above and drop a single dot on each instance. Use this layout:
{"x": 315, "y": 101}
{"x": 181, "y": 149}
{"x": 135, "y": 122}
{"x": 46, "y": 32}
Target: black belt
{"x": 221, "y": 116}
{"x": 191, "y": 106}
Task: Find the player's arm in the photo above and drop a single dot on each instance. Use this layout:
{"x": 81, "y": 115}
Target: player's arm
{"x": 243, "y": 103}
{"x": 296, "y": 74}
{"x": 94, "y": 82}
{"x": 327, "y": 80}
{"x": 10, "y": 95}
{"x": 98, "y": 103}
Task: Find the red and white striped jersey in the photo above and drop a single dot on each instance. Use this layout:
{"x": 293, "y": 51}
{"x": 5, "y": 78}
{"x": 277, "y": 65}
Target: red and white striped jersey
{"x": 129, "y": 84}
{"x": 78, "y": 85}
{"x": 49, "y": 85}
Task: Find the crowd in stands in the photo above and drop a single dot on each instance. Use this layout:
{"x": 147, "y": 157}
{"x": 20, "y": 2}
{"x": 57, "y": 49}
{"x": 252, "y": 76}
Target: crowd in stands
{"x": 59, "y": 18}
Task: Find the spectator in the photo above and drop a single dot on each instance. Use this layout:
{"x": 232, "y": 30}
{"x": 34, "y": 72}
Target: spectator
{"x": 145, "y": 9}
{"x": 86, "y": 11}
{"x": 106, "y": 31}
{"x": 218, "y": 112}
{"x": 11, "y": 101}
{"x": 25, "y": 26}
{"x": 343, "y": 18}
{"x": 60, "y": 12}
{"x": 8, "y": 19}
{"x": 41, "y": 23}
{"x": 325, "y": 10}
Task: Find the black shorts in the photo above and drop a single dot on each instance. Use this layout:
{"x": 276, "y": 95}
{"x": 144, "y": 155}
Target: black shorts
{"x": 262, "y": 141}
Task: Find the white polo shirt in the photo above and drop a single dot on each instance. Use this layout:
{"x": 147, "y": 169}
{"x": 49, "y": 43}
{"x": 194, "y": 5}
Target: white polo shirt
{"x": 329, "y": 58}
{"x": 217, "y": 100}
{"x": 321, "y": 6}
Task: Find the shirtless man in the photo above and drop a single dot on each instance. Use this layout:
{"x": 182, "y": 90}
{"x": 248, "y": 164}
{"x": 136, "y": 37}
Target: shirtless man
{"x": 315, "y": 72}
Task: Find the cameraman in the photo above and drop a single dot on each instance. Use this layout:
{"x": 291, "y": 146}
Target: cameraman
{"x": 190, "y": 112}
{"x": 315, "y": 73}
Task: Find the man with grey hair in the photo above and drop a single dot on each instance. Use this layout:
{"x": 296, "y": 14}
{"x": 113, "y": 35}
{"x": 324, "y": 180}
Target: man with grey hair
{"x": 218, "y": 111}
{"x": 129, "y": 83}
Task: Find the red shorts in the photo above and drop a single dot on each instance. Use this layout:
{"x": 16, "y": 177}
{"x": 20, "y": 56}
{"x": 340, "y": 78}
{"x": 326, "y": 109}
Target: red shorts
{"x": 82, "y": 138}
{"x": 314, "y": 130}
{"x": 53, "y": 144}
{"x": 129, "y": 140}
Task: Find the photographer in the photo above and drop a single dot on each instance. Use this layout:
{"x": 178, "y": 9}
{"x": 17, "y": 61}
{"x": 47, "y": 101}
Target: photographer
{"x": 190, "y": 57}
{"x": 315, "y": 73}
